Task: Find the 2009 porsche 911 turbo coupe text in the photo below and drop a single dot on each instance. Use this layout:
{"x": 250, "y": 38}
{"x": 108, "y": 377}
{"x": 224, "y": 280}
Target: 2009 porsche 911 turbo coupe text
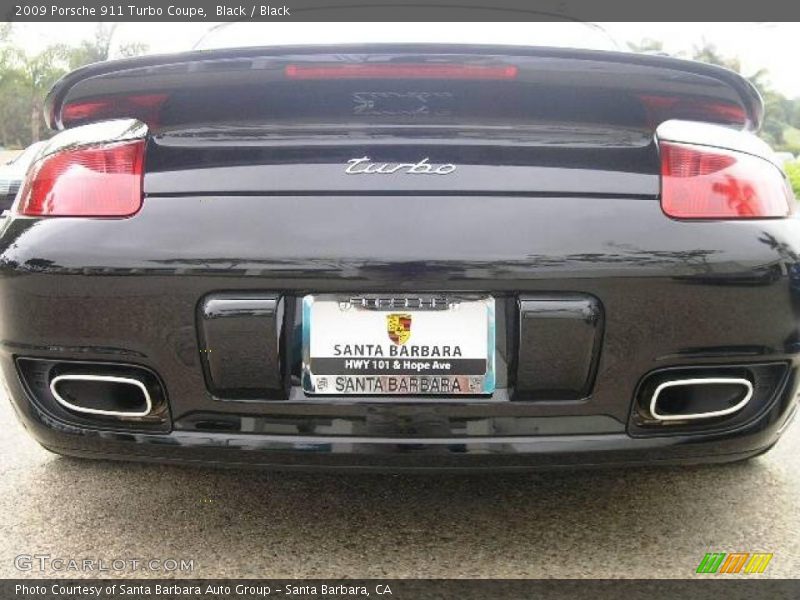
{"x": 403, "y": 256}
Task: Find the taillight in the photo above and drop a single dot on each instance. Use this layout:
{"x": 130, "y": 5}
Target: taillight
{"x": 664, "y": 108}
{"x": 709, "y": 183}
{"x": 401, "y": 71}
{"x": 144, "y": 107}
{"x": 94, "y": 181}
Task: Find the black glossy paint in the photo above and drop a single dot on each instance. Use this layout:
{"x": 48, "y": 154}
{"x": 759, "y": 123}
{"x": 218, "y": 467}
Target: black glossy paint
{"x": 534, "y": 214}
{"x": 560, "y": 338}
{"x": 594, "y": 161}
{"x": 673, "y": 294}
{"x": 240, "y": 338}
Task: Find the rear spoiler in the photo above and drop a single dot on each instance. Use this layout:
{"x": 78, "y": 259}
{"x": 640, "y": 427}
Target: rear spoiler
{"x": 667, "y": 88}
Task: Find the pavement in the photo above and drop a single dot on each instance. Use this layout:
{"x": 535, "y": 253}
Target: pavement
{"x": 642, "y": 522}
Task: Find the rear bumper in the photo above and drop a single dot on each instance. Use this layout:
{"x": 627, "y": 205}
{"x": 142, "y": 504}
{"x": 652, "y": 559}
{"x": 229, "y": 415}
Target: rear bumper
{"x": 128, "y": 291}
{"x": 375, "y": 452}
{"x": 294, "y": 452}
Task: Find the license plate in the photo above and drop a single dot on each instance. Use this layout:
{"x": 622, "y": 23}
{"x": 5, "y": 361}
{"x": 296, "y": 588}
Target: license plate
{"x": 399, "y": 345}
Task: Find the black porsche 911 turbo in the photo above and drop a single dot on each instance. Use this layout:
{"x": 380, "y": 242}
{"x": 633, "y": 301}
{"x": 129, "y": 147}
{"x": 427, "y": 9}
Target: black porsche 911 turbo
{"x": 403, "y": 256}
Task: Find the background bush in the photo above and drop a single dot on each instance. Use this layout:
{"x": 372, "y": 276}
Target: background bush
{"x": 793, "y": 171}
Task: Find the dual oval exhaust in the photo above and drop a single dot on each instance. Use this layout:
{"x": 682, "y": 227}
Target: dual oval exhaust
{"x": 698, "y": 398}
{"x": 688, "y": 399}
{"x": 123, "y": 396}
{"x": 681, "y": 396}
{"x": 102, "y": 395}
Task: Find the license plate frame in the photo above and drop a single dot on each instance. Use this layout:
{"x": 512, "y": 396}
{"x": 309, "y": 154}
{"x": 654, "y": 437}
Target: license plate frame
{"x": 468, "y": 369}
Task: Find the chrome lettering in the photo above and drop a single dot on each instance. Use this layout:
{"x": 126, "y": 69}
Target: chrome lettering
{"x": 363, "y": 166}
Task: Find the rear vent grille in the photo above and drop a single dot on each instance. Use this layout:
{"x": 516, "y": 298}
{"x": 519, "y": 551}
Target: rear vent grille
{"x": 697, "y": 399}
{"x": 95, "y": 394}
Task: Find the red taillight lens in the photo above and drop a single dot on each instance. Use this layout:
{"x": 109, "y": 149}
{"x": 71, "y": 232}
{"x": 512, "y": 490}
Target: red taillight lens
{"x": 145, "y": 107}
{"x": 710, "y": 183}
{"x": 97, "y": 181}
{"x": 663, "y": 108}
{"x": 401, "y": 71}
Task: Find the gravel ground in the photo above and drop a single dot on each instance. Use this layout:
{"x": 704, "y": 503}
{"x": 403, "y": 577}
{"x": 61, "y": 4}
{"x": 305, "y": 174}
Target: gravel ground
{"x": 612, "y": 523}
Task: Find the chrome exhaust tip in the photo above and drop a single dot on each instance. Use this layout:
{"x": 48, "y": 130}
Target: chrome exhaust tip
{"x": 105, "y": 395}
{"x": 706, "y": 398}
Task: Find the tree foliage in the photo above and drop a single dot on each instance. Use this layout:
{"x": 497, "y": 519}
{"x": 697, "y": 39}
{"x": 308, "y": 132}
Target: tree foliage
{"x": 26, "y": 78}
{"x": 647, "y": 45}
{"x": 793, "y": 173}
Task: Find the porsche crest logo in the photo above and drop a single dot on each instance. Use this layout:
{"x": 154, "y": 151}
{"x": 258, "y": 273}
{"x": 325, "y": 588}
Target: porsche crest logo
{"x": 398, "y": 326}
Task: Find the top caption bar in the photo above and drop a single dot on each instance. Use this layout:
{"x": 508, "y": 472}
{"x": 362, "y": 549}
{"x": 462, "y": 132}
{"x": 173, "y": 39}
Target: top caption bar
{"x": 395, "y": 10}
